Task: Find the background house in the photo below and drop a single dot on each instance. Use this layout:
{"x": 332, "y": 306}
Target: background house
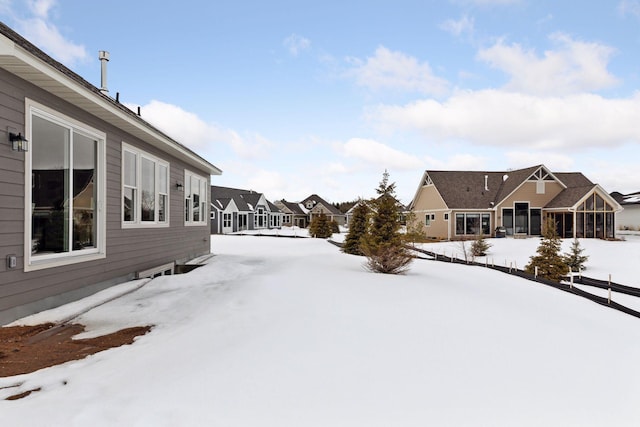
{"x": 294, "y": 214}
{"x": 316, "y": 205}
{"x": 234, "y": 209}
{"x": 99, "y": 196}
{"x": 629, "y": 217}
{"x": 463, "y": 204}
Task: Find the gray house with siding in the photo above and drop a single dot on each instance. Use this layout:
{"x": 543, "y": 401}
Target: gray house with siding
{"x": 235, "y": 209}
{"x": 90, "y": 194}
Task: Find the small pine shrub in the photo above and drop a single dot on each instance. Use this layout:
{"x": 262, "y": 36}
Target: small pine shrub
{"x": 388, "y": 259}
{"x": 551, "y": 264}
{"x": 574, "y": 258}
{"x": 480, "y": 246}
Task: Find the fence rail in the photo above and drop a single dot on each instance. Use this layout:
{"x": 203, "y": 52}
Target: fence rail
{"x": 566, "y": 287}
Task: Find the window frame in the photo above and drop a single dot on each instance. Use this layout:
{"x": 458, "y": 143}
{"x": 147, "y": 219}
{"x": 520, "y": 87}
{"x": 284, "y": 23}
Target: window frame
{"x": 158, "y": 163}
{"x": 35, "y": 262}
{"x": 203, "y": 202}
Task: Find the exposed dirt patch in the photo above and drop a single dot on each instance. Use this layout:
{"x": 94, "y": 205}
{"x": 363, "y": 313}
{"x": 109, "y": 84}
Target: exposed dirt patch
{"x": 25, "y": 349}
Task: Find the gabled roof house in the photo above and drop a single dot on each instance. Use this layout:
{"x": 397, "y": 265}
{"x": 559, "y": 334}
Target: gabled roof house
{"x": 462, "y": 204}
{"x": 294, "y": 214}
{"x": 90, "y": 193}
{"x": 234, "y": 209}
{"x": 316, "y": 205}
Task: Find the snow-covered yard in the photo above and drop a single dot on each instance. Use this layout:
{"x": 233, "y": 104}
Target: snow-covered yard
{"x": 291, "y": 332}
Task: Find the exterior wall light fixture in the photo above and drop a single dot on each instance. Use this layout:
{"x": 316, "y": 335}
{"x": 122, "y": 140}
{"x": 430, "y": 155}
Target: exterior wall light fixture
{"x": 18, "y": 142}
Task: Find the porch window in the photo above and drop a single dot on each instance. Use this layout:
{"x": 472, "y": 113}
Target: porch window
{"x": 145, "y": 189}
{"x": 595, "y": 218}
{"x": 65, "y": 171}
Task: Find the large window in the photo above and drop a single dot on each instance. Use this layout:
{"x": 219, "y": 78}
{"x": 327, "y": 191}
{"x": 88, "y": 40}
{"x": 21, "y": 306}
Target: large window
{"x": 145, "y": 189}
{"x": 473, "y": 223}
{"x": 65, "y": 190}
{"x": 595, "y": 218}
{"x": 195, "y": 199}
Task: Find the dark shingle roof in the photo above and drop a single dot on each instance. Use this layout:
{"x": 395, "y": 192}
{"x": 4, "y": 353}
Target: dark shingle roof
{"x": 246, "y": 200}
{"x": 293, "y": 207}
{"x": 569, "y": 196}
{"x": 317, "y": 199}
{"x": 467, "y": 189}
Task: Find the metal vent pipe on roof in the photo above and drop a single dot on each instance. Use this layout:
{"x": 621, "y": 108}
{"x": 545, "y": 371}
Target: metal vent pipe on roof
{"x": 103, "y": 55}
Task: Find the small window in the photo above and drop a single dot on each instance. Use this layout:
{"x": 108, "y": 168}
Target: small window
{"x": 195, "y": 199}
{"x": 540, "y": 187}
{"x": 446, "y": 217}
{"x": 226, "y": 220}
{"x": 145, "y": 189}
{"x": 213, "y": 214}
{"x": 429, "y": 218}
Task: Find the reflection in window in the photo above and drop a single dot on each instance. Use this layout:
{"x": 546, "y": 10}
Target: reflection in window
{"x": 195, "y": 203}
{"x": 145, "y": 188}
{"x": 64, "y": 190}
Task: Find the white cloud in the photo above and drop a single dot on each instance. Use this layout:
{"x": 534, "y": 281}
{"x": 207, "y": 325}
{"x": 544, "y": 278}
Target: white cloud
{"x": 377, "y": 154}
{"x": 395, "y": 70}
{"x": 457, "y": 162}
{"x": 625, "y": 179}
{"x": 266, "y": 181}
{"x": 463, "y": 25}
{"x": 44, "y": 34}
{"x": 574, "y": 66}
{"x": 41, "y": 8}
{"x": 498, "y": 118}
{"x": 190, "y": 130}
{"x": 554, "y": 161}
{"x": 296, "y": 44}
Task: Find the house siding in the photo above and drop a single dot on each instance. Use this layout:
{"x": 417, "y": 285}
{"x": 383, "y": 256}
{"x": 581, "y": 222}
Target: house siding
{"x": 428, "y": 199}
{"x": 527, "y": 192}
{"x": 127, "y": 250}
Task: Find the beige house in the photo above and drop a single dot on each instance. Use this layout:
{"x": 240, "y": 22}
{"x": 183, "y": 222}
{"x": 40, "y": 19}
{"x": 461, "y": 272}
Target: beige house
{"x": 462, "y": 204}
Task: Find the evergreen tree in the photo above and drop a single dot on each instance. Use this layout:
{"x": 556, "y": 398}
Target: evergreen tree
{"x": 320, "y": 227}
{"x": 357, "y": 229}
{"x": 550, "y": 263}
{"x": 383, "y": 244}
{"x": 480, "y": 246}
{"x": 574, "y": 259}
{"x": 335, "y": 228}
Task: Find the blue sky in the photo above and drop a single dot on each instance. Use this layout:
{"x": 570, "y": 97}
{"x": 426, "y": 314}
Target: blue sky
{"x": 291, "y": 98}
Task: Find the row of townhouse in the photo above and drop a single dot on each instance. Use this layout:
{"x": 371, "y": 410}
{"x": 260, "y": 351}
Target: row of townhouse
{"x": 234, "y": 210}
